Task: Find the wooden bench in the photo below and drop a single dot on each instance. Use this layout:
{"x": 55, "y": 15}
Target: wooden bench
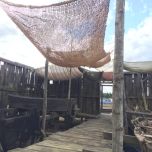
{"x": 62, "y": 106}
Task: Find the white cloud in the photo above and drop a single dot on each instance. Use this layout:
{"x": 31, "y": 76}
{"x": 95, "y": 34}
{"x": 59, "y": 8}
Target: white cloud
{"x": 138, "y": 42}
{"x": 15, "y": 46}
{"x": 19, "y": 49}
{"x": 146, "y": 8}
{"x": 128, "y": 6}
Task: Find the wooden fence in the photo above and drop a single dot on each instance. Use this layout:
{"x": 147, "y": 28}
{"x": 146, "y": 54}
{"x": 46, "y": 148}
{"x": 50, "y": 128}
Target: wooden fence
{"x": 85, "y": 90}
{"x": 20, "y": 79}
{"x": 138, "y": 89}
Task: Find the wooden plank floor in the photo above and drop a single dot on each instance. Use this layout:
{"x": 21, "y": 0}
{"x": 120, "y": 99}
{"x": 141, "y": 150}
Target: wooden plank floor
{"x": 87, "y": 137}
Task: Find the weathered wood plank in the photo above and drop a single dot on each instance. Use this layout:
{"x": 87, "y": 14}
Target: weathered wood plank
{"x": 71, "y": 146}
{"x": 47, "y": 149}
{"x": 22, "y": 150}
{"x": 86, "y": 142}
{"x": 87, "y": 137}
{"x": 88, "y": 149}
{"x": 61, "y": 145}
{"x": 77, "y": 135}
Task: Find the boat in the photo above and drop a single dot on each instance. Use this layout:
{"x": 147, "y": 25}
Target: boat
{"x": 143, "y": 132}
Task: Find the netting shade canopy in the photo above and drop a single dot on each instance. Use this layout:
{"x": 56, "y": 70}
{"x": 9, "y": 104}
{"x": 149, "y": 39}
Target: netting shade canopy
{"x": 69, "y": 34}
{"x": 59, "y": 73}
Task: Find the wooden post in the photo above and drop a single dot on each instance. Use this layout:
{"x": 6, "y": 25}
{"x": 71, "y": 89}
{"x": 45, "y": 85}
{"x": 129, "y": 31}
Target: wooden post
{"x": 143, "y": 95}
{"x": 118, "y": 84}
{"x": 101, "y": 97}
{"x": 45, "y": 98}
{"x": 69, "y": 89}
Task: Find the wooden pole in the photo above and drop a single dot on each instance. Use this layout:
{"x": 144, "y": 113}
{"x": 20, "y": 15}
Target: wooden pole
{"x": 44, "y": 112}
{"x": 118, "y": 83}
{"x": 69, "y": 89}
{"x": 101, "y": 97}
{"x": 143, "y": 95}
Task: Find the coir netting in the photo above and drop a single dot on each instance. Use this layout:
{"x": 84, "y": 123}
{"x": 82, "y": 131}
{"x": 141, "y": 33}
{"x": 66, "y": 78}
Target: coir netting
{"x": 59, "y": 73}
{"x": 68, "y": 34}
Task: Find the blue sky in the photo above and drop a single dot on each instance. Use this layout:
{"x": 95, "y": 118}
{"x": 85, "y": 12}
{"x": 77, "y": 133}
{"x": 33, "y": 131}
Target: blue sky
{"x": 135, "y": 12}
{"x": 138, "y": 34}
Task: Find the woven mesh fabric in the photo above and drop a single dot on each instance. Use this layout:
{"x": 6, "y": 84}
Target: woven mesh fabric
{"x": 69, "y": 34}
{"x": 59, "y": 73}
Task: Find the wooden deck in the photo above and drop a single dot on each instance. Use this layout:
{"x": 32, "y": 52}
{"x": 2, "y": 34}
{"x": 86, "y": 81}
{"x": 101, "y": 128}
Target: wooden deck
{"x": 87, "y": 137}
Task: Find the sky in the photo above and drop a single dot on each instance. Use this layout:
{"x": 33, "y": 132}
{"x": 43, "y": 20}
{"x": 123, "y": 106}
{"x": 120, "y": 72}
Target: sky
{"x": 138, "y": 29}
{"x": 137, "y": 43}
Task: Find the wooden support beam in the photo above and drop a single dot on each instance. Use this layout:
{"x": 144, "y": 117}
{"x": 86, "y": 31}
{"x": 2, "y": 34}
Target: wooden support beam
{"x": 117, "y": 110}
{"x": 44, "y": 112}
{"x": 144, "y": 96}
{"x": 69, "y": 89}
{"x": 101, "y": 98}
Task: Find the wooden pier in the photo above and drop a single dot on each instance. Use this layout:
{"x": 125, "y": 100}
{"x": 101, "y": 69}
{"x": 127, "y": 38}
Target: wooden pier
{"x": 87, "y": 137}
